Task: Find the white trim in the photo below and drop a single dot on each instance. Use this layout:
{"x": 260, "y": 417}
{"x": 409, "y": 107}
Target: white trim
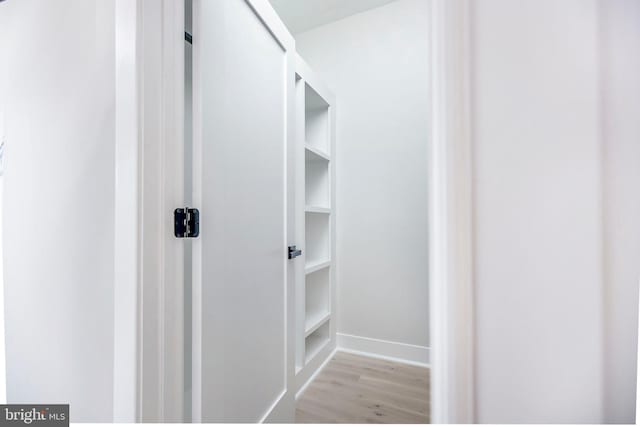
{"x": 381, "y": 357}
{"x": 148, "y": 268}
{"x": 271, "y": 20}
{"x": 196, "y": 199}
{"x": 285, "y": 411}
{"x": 380, "y": 349}
{"x": 450, "y": 216}
{"x": 278, "y": 412}
{"x": 172, "y": 196}
{"x": 160, "y": 119}
{"x": 308, "y": 382}
{"x": 312, "y": 79}
{"x": 638, "y": 371}
{"x": 127, "y": 280}
{"x": 308, "y": 368}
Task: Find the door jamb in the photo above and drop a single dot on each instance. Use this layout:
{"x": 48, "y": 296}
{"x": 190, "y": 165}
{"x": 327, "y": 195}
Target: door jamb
{"x": 148, "y": 291}
{"x": 126, "y": 333}
{"x": 450, "y": 215}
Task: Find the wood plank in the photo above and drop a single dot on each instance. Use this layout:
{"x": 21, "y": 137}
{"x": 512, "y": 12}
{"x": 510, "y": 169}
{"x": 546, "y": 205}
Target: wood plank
{"x": 421, "y": 381}
{"x": 311, "y": 416}
{"x": 355, "y": 408}
{"x": 358, "y": 394}
{"x": 358, "y": 389}
{"x": 369, "y": 364}
{"x": 391, "y": 394}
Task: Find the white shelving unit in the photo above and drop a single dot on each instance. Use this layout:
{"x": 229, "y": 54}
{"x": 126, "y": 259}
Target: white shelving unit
{"x": 317, "y": 304}
{"x": 315, "y": 290}
{"x": 310, "y": 268}
{"x": 317, "y": 182}
{"x": 314, "y": 154}
{"x": 317, "y": 209}
{"x": 316, "y": 342}
{"x": 317, "y": 238}
{"x": 314, "y": 323}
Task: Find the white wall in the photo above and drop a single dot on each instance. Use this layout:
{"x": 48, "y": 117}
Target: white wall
{"x": 3, "y": 372}
{"x": 376, "y": 64}
{"x": 620, "y": 50}
{"x": 57, "y": 84}
{"x": 556, "y": 209}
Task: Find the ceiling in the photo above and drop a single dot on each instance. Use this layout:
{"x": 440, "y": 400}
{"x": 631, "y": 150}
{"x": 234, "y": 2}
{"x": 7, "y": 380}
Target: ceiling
{"x": 302, "y": 15}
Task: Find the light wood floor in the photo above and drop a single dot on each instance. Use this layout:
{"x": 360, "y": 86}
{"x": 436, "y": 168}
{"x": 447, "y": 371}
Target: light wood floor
{"x": 356, "y": 389}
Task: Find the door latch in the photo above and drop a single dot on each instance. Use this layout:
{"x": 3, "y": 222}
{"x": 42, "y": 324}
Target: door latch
{"x": 293, "y": 252}
{"x": 186, "y": 222}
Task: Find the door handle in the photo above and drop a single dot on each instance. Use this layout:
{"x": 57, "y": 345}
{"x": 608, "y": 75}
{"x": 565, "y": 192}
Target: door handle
{"x": 293, "y": 252}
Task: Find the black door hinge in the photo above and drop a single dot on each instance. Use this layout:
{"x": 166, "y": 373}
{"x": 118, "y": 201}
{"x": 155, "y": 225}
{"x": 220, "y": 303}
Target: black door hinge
{"x": 186, "y": 222}
{"x": 293, "y": 252}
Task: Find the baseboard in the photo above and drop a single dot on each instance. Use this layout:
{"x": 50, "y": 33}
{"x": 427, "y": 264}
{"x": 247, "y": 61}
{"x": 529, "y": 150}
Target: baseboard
{"x": 282, "y": 410}
{"x": 388, "y": 350}
{"x": 320, "y": 367}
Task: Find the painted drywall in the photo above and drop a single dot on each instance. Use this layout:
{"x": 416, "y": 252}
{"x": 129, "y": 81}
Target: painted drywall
{"x": 620, "y": 80}
{"x": 3, "y": 373}
{"x": 376, "y": 62}
{"x": 57, "y": 88}
{"x": 557, "y": 237}
{"x": 538, "y": 216}
{"x": 300, "y": 16}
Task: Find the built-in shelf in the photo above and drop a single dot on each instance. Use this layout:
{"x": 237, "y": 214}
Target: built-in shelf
{"x": 317, "y": 237}
{"x": 315, "y": 133}
{"x": 315, "y": 155}
{"x": 313, "y": 323}
{"x": 317, "y": 209}
{"x": 316, "y": 341}
{"x": 317, "y": 183}
{"x": 316, "y": 120}
{"x": 315, "y": 266}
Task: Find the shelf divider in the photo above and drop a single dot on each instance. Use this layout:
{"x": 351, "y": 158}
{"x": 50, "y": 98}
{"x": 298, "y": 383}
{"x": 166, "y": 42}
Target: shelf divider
{"x": 315, "y": 347}
{"x": 314, "y": 324}
{"x": 315, "y": 266}
{"x": 312, "y": 151}
{"x": 317, "y": 209}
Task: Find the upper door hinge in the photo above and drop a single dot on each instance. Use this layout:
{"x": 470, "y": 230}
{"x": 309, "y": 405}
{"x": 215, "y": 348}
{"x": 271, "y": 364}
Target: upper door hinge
{"x": 293, "y": 252}
{"x": 186, "y": 222}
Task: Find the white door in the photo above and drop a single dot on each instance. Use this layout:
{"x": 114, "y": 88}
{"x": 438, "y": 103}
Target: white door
{"x": 242, "y": 81}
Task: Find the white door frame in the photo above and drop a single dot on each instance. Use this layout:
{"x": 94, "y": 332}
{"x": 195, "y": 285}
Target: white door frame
{"x": 126, "y": 278}
{"x": 148, "y": 292}
{"x": 149, "y": 139}
{"x": 450, "y": 216}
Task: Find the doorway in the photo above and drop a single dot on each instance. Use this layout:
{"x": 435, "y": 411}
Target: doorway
{"x": 378, "y": 319}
